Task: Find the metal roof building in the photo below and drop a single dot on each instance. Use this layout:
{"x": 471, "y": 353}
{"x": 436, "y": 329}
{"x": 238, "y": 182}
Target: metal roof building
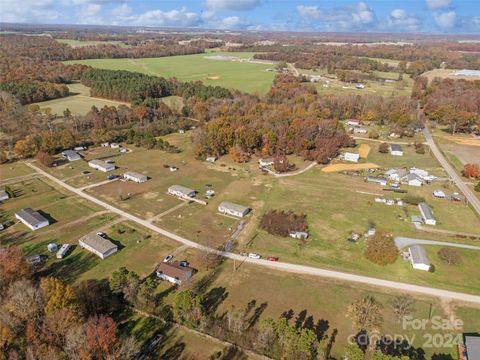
{"x": 427, "y": 214}
{"x": 101, "y": 165}
{"x": 33, "y": 219}
{"x": 135, "y": 177}
{"x": 229, "y": 208}
{"x": 419, "y": 258}
{"x": 71, "y": 155}
{"x": 98, "y": 245}
{"x": 465, "y": 72}
{"x": 181, "y": 191}
{"x": 472, "y": 345}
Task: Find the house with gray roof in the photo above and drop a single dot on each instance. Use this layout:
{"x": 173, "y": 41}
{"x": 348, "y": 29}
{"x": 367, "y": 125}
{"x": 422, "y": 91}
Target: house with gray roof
{"x": 412, "y": 179}
{"x": 427, "y": 214}
{"x": 135, "y": 177}
{"x": 98, "y": 245}
{"x": 472, "y": 347}
{"x": 33, "y": 219}
{"x": 71, "y": 155}
{"x": 419, "y": 258}
{"x": 377, "y": 180}
{"x": 396, "y": 150}
{"x": 101, "y": 165}
{"x": 230, "y": 208}
{"x": 181, "y": 191}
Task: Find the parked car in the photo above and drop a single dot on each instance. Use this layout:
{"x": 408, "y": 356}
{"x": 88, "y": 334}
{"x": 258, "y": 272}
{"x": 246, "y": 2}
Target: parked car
{"x": 111, "y": 177}
{"x": 243, "y": 254}
{"x": 254, "y": 256}
{"x": 183, "y": 263}
{"x": 168, "y": 258}
{"x": 272, "y": 258}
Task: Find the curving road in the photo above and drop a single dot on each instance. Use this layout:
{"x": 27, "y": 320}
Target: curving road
{"x": 469, "y": 195}
{"x": 293, "y": 268}
{"x": 403, "y": 242}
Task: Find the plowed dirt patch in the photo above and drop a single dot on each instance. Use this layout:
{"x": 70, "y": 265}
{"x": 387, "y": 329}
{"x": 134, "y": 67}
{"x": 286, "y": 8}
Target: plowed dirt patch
{"x": 344, "y": 167}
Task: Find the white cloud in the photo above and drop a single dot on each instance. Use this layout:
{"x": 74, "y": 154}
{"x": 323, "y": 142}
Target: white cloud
{"x": 179, "y": 18}
{"x": 437, "y": 4}
{"x": 121, "y": 11}
{"x": 400, "y": 20}
{"x": 28, "y": 11}
{"x": 359, "y": 16}
{"x": 445, "y": 20}
{"x": 232, "y": 4}
{"x": 89, "y": 13}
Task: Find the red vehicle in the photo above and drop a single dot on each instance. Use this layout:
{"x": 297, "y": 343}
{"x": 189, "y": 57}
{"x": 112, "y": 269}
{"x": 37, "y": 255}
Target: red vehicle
{"x": 272, "y": 258}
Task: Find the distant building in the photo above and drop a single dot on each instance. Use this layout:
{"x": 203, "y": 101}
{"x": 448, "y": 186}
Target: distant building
{"x": 135, "y": 177}
{"x": 101, "y": 165}
{"x": 174, "y": 272}
{"x": 396, "y": 150}
{"x": 412, "y": 180}
{"x": 422, "y": 173}
{"x": 302, "y": 235}
{"x": 396, "y": 174}
{"x": 360, "y": 86}
{"x": 98, "y": 245}
{"x": 71, "y": 155}
{"x": 464, "y": 72}
{"x": 114, "y": 145}
{"x": 4, "y": 195}
{"x": 33, "y": 219}
{"x": 236, "y": 210}
{"x": 105, "y": 144}
{"x": 265, "y": 162}
{"x": 63, "y": 251}
{"x": 354, "y": 122}
{"x": 419, "y": 258}
{"x": 34, "y": 259}
{"x": 181, "y": 191}
{"x": 351, "y": 157}
{"x": 360, "y": 130}
{"x": 211, "y": 159}
{"x": 439, "y": 194}
{"x": 377, "y": 180}
{"x": 80, "y": 148}
{"x": 427, "y": 214}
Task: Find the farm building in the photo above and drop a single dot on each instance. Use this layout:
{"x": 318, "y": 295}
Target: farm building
{"x": 354, "y": 122}
{"x": 419, "y": 258}
{"x": 229, "y": 208}
{"x": 4, "y": 195}
{"x": 302, "y": 235}
{"x": 211, "y": 159}
{"x": 98, "y": 245}
{"x": 351, "y": 157}
{"x": 439, "y": 194}
{"x": 71, "y": 155}
{"x": 396, "y": 174}
{"x": 101, "y": 165}
{"x": 412, "y": 180}
{"x": 174, "y": 272}
{"x": 377, "y": 180}
{"x": 396, "y": 150}
{"x": 360, "y": 131}
{"x": 181, "y": 191}
{"x": 33, "y": 219}
{"x": 63, "y": 251}
{"x": 265, "y": 162}
{"x": 135, "y": 177}
{"x": 427, "y": 214}
{"x": 114, "y": 145}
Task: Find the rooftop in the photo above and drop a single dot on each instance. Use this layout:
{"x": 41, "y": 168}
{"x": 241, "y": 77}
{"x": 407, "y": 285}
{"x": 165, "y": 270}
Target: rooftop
{"x": 395, "y": 147}
{"x": 174, "y": 270}
{"x": 98, "y": 243}
{"x": 419, "y": 255}
{"x": 182, "y": 189}
{"x": 426, "y": 210}
{"x": 473, "y": 347}
{"x": 30, "y": 216}
{"x": 232, "y": 206}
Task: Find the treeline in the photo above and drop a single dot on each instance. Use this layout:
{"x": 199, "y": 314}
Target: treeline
{"x": 451, "y": 102}
{"x": 46, "y": 48}
{"x": 131, "y": 86}
{"x": 33, "y": 91}
{"x": 292, "y": 119}
{"x": 45, "y": 318}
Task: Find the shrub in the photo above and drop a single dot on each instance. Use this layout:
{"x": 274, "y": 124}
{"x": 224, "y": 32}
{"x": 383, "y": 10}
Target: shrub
{"x": 419, "y": 148}
{"x": 413, "y": 200}
{"x": 282, "y": 223}
{"x": 477, "y": 187}
{"x": 45, "y": 158}
{"x": 381, "y": 249}
{"x": 373, "y": 134}
{"x": 450, "y": 256}
{"x": 471, "y": 170}
{"x": 383, "y": 148}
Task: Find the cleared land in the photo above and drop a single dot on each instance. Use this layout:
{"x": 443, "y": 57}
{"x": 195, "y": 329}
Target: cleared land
{"x": 345, "y": 167}
{"x": 247, "y": 77}
{"x": 80, "y": 43}
{"x": 446, "y": 74}
{"x": 79, "y": 102}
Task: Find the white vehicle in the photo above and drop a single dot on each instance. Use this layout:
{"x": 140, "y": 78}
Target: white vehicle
{"x": 254, "y": 256}
{"x": 168, "y": 258}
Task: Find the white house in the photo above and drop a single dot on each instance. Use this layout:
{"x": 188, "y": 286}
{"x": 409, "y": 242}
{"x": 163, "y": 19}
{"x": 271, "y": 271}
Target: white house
{"x": 229, "y": 208}
{"x": 98, "y": 245}
{"x": 174, "y": 272}
{"x": 377, "y": 180}
{"x": 360, "y": 86}
{"x": 354, "y": 122}
{"x": 439, "y": 194}
{"x": 302, "y": 235}
{"x": 4, "y": 195}
{"x": 105, "y": 144}
{"x": 33, "y": 219}
{"x": 351, "y": 157}
{"x": 265, "y": 162}
{"x": 360, "y": 130}
{"x": 114, "y": 145}
{"x": 396, "y": 150}
{"x": 419, "y": 258}
{"x": 80, "y": 148}
{"x": 101, "y": 165}
{"x": 181, "y": 191}
{"x": 422, "y": 173}
{"x": 135, "y": 177}
{"x": 71, "y": 155}
{"x": 396, "y": 174}
{"x": 412, "y": 180}
{"x": 211, "y": 159}
{"x": 427, "y": 214}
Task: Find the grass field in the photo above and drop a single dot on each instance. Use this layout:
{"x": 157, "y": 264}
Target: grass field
{"x": 247, "y": 77}
{"x": 79, "y": 43}
{"x": 12, "y": 170}
{"x": 78, "y": 102}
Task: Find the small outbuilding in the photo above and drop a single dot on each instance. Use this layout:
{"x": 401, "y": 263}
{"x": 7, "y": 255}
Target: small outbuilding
{"x": 181, "y": 191}
{"x": 360, "y": 131}
{"x": 427, "y": 214}
{"x": 302, "y": 235}
{"x": 71, "y": 155}
{"x": 377, "y": 180}
{"x": 352, "y": 157}
{"x": 4, "y": 195}
{"x": 354, "y": 122}
{"x": 412, "y": 180}
{"x": 211, "y": 159}
{"x": 174, "y": 272}
{"x": 62, "y": 252}
{"x": 98, "y": 245}
{"x": 265, "y": 162}
{"x": 101, "y": 165}
{"x": 396, "y": 150}
{"x": 439, "y": 194}
{"x": 230, "y": 208}
{"x": 135, "y": 177}
{"x": 33, "y": 219}
{"x": 419, "y": 258}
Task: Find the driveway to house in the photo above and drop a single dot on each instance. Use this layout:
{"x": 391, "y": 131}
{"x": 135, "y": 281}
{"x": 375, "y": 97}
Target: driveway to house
{"x": 293, "y": 268}
{"x": 470, "y": 196}
{"x": 403, "y": 242}
{"x": 293, "y": 173}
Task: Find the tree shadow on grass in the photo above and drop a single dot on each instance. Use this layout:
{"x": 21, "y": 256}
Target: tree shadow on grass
{"x": 70, "y": 268}
{"x": 50, "y": 219}
{"x": 213, "y": 299}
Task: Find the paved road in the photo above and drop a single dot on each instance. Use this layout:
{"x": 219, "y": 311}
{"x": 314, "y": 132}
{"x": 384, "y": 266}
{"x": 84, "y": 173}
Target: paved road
{"x": 470, "y": 196}
{"x": 293, "y": 268}
{"x": 403, "y": 242}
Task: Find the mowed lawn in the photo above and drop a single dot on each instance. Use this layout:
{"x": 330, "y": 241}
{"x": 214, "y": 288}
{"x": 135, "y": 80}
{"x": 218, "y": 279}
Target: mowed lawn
{"x": 78, "y": 102}
{"x": 247, "y": 77}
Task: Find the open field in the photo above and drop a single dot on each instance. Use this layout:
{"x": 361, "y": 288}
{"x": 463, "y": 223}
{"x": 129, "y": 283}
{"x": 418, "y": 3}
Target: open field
{"x": 247, "y": 77}
{"x": 349, "y": 166}
{"x": 78, "y": 102}
{"x": 13, "y": 170}
{"x": 446, "y": 74}
{"x": 364, "y": 150}
{"x": 80, "y": 43}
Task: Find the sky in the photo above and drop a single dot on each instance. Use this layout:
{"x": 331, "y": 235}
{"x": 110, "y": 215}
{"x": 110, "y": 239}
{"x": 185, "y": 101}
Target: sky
{"x": 435, "y": 16}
